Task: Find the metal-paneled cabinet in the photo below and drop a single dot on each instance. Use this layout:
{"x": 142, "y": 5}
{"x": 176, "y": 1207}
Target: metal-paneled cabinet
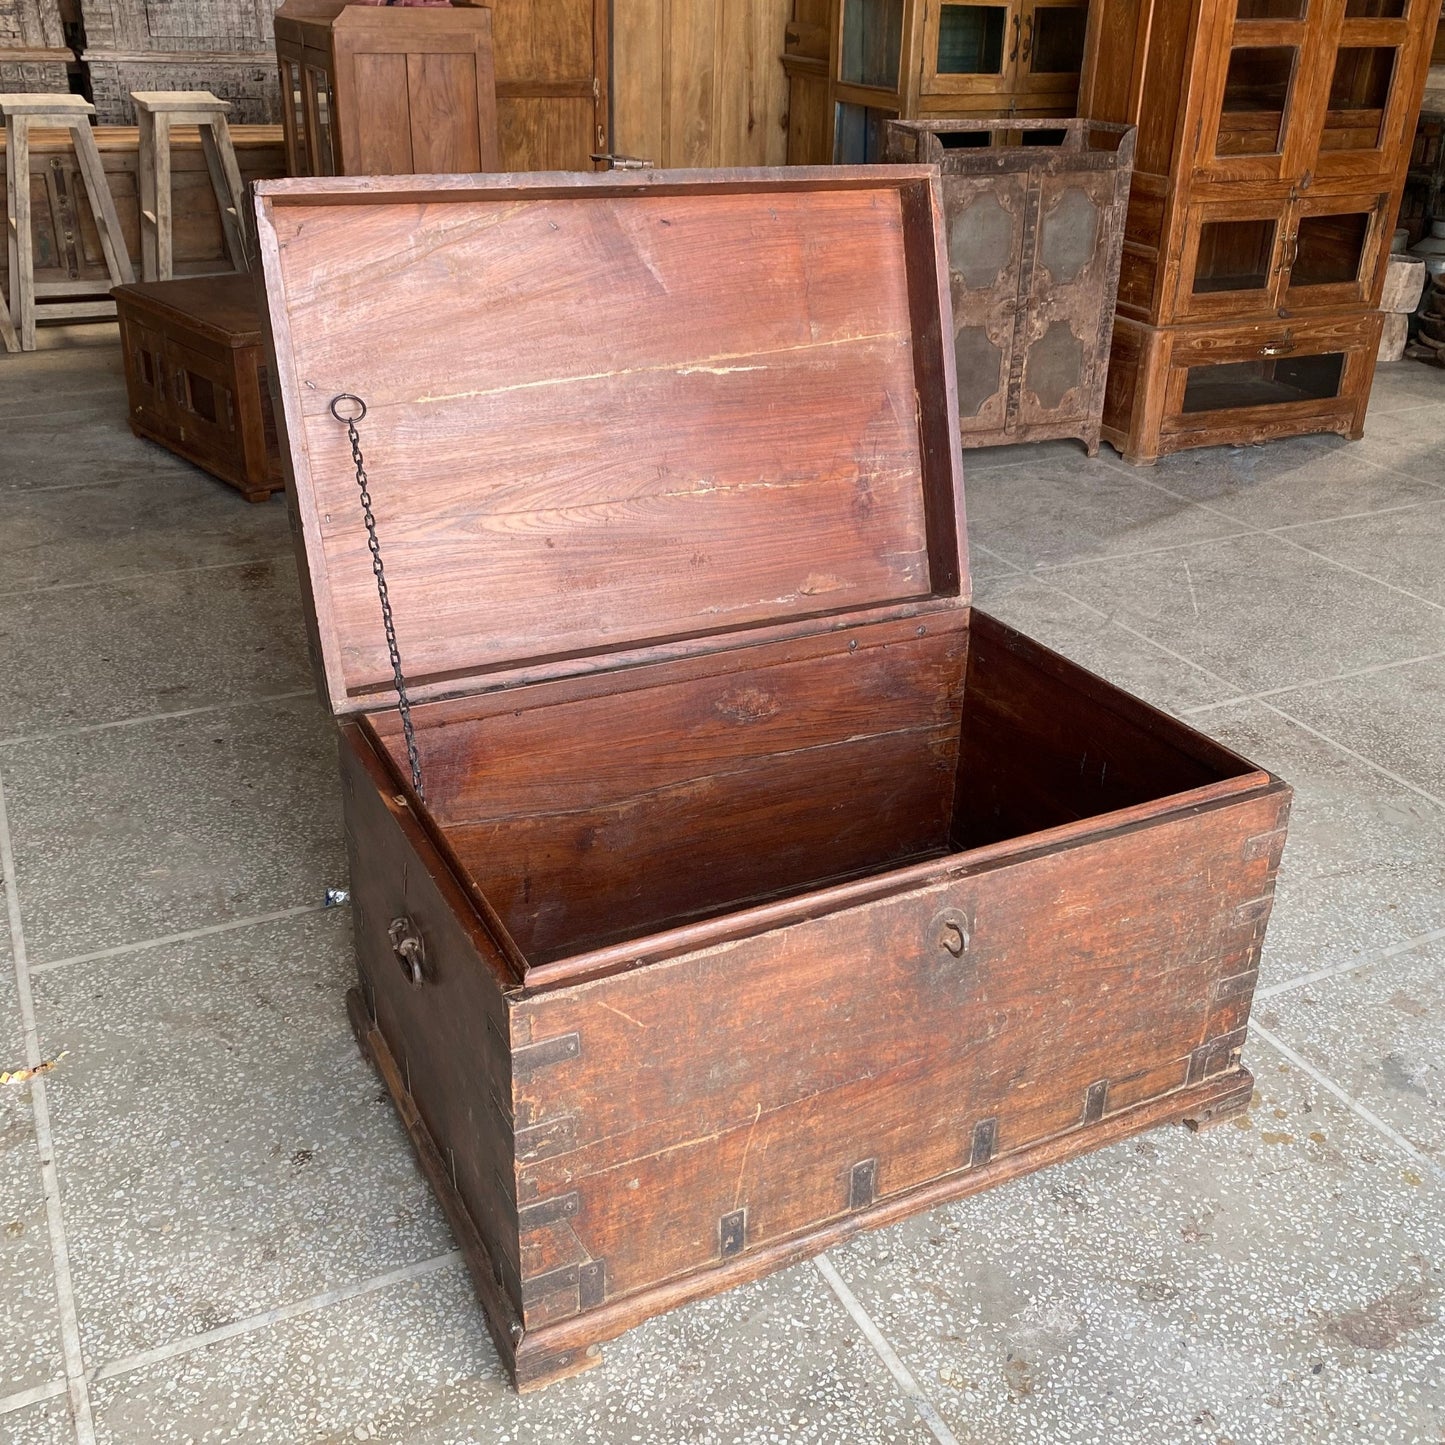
{"x": 1034, "y": 233}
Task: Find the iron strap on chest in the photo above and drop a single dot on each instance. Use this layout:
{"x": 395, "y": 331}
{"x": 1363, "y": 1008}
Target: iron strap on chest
{"x": 357, "y": 410}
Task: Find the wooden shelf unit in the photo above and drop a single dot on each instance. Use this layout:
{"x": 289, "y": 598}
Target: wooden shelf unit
{"x": 1273, "y": 141}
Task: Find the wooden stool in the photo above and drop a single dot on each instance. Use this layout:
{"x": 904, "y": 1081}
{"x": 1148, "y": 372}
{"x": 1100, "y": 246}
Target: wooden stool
{"x": 156, "y": 112}
{"x": 71, "y": 112}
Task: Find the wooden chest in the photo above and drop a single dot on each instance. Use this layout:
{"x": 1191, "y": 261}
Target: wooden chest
{"x": 195, "y": 377}
{"x": 757, "y": 889}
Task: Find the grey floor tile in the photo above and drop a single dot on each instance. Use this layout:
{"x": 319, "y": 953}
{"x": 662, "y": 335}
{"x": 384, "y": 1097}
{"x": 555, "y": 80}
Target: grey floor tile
{"x": 1395, "y": 718}
{"x": 47, "y": 1423}
{"x": 78, "y": 444}
{"x": 1401, "y": 385}
{"x": 1302, "y": 480}
{"x": 1043, "y": 515}
{"x": 1405, "y": 549}
{"x": 263, "y": 1163}
{"x": 158, "y": 523}
{"x": 1257, "y": 611}
{"x": 1082, "y": 634}
{"x": 1362, "y": 867}
{"x": 1407, "y": 441}
{"x": 146, "y": 645}
{"x": 30, "y": 1351}
{"x": 1276, "y": 1282}
{"x": 132, "y": 833}
{"x": 1379, "y": 1032}
{"x": 772, "y": 1362}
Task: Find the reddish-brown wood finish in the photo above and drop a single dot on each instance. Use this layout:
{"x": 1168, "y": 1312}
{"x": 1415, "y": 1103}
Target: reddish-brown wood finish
{"x": 195, "y": 376}
{"x": 778, "y": 911}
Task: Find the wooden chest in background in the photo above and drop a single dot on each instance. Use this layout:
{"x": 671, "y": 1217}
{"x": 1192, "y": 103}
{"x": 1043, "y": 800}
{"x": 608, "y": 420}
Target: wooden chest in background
{"x": 195, "y": 377}
{"x": 751, "y": 889}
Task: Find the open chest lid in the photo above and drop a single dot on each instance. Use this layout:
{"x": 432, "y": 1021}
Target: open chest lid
{"x": 612, "y": 417}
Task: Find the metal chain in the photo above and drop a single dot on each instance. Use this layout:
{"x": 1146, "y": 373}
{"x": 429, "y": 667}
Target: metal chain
{"x": 387, "y": 622}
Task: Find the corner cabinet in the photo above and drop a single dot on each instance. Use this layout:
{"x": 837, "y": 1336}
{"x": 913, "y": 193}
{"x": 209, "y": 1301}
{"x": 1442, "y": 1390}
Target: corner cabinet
{"x": 1273, "y": 141}
{"x": 853, "y": 65}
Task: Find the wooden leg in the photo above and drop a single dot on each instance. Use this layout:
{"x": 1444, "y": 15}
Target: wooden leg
{"x": 1228, "y": 1106}
{"x": 165, "y": 261}
{"x": 12, "y": 231}
{"x": 230, "y": 191}
{"x": 7, "y": 331}
{"x": 102, "y": 206}
{"x": 22, "y": 253}
{"x": 147, "y": 184}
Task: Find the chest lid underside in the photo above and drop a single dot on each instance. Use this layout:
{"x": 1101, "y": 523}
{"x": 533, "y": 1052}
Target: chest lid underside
{"x": 612, "y": 418}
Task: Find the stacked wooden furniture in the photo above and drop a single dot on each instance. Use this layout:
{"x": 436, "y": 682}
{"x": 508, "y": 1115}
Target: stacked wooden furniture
{"x": 67, "y": 249}
{"x": 196, "y": 376}
{"x": 1425, "y": 178}
{"x": 382, "y": 91}
{"x": 1273, "y": 140}
{"x": 223, "y": 46}
{"x": 854, "y": 64}
{"x": 33, "y": 53}
{"x": 719, "y": 896}
{"x": 1034, "y": 234}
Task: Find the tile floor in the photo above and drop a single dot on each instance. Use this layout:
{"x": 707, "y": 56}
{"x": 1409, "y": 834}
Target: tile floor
{"x": 211, "y": 1228}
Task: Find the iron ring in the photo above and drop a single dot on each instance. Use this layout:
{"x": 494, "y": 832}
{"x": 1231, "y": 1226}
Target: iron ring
{"x": 347, "y": 396}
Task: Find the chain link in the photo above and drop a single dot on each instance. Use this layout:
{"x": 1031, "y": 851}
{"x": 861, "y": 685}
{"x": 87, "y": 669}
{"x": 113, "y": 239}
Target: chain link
{"x": 387, "y": 622}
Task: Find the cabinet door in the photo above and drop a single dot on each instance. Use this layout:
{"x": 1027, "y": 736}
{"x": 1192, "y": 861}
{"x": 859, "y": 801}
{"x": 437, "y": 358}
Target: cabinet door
{"x": 985, "y": 216}
{"x": 1370, "y": 84}
{"x": 971, "y": 49}
{"x": 1064, "y": 328}
{"x": 1051, "y": 49}
{"x": 1232, "y": 260}
{"x": 1336, "y": 251}
{"x": 1255, "y": 92}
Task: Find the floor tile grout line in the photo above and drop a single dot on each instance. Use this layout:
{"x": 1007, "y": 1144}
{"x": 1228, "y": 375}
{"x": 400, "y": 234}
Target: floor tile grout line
{"x": 124, "y": 577}
{"x": 1370, "y": 671}
{"x": 1359, "y": 757}
{"x": 189, "y": 1344}
{"x": 902, "y": 1375}
{"x": 36, "y": 1395}
{"x": 1337, "y": 970}
{"x": 1348, "y": 1100}
{"x": 120, "y": 950}
{"x": 1244, "y": 531}
{"x": 49, "y": 1172}
{"x": 17, "y": 739}
{"x": 1288, "y": 541}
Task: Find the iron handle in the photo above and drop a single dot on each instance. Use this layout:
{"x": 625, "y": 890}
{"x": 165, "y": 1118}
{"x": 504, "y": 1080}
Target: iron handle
{"x": 410, "y": 951}
{"x": 1282, "y": 349}
{"x": 951, "y": 932}
{"x": 1014, "y": 53}
{"x": 1028, "y": 40}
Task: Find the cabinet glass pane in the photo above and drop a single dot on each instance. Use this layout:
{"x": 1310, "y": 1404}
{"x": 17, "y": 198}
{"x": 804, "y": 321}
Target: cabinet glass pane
{"x": 1234, "y": 256}
{"x": 1329, "y": 249}
{"x": 1058, "y": 39}
{"x": 872, "y": 40}
{"x": 1359, "y": 93}
{"x": 1220, "y": 386}
{"x": 1256, "y": 97}
{"x": 1270, "y": 10}
{"x": 1374, "y": 9}
{"x": 858, "y": 134}
{"x": 970, "y": 39}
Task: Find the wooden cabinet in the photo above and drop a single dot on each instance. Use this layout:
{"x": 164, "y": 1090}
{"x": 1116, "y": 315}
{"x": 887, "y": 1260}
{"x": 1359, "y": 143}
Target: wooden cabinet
{"x": 1273, "y": 140}
{"x": 855, "y": 64}
{"x": 1034, "y": 233}
{"x": 195, "y": 377}
{"x": 371, "y": 90}
{"x": 743, "y": 886}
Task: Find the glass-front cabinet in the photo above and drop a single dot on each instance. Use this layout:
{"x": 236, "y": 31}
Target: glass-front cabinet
{"x": 1315, "y": 86}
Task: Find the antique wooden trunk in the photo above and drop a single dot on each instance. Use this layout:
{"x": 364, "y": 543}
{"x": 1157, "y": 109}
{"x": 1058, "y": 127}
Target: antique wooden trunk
{"x": 195, "y": 377}
{"x": 751, "y": 889}
{"x": 1035, "y": 217}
